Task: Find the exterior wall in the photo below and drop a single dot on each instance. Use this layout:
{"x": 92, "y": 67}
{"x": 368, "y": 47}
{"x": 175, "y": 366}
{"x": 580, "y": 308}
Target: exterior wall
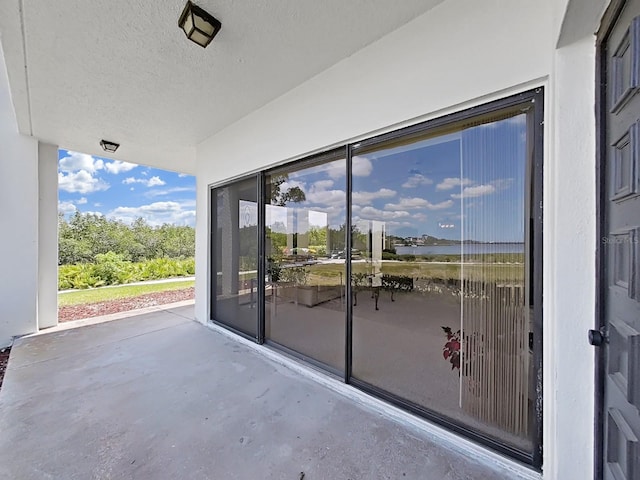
{"x": 404, "y": 77}
{"x": 458, "y": 55}
{"x": 18, "y": 223}
{"x": 569, "y": 280}
{"x": 48, "y": 236}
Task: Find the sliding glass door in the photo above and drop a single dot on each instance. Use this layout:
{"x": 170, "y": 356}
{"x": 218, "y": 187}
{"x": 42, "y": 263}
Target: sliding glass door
{"x": 305, "y": 239}
{"x": 234, "y": 241}
{"x": 408, "y": 263}
{"x": 440, "y": 255}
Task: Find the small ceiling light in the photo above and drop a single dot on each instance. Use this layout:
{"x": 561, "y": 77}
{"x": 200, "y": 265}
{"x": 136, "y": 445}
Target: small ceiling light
{"x": 108, "y": 146}
{"x": 198, "y": 25}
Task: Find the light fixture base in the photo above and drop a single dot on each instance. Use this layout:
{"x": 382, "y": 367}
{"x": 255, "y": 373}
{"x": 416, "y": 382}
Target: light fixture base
{"x": 199, "y": 26}
{"x": 109, "y": 146}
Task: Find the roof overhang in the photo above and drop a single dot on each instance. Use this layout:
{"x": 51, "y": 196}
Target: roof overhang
{"x": 123, "y": 70}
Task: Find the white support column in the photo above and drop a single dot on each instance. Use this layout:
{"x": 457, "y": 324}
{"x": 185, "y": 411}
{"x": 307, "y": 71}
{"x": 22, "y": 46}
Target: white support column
{"x": 47, "y": 235}
{"x": 302, "y": 223}
{"x": 18, "y": 222}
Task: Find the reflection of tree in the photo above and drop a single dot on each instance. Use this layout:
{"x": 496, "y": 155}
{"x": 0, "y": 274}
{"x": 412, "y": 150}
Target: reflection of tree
{"x": 281, "y": 198}
{"x": 359, "y": 239}
{"x": 248, "y": 248}
{"x": 278, "y": 240}
{"x": 317, "y": 236}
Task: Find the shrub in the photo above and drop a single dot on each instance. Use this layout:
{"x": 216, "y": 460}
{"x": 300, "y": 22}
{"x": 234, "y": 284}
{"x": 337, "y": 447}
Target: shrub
{"x": 389, "y": 256}
{"x": 112, "y": 269}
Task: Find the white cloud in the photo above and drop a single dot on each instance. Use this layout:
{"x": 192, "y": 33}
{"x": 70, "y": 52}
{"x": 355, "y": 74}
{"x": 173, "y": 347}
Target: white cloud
{"x": 411, "y": 203}
{"x": 319, "y": 195}
{"x": 485, "y": 189}
{"x": 155, "y": 182}
{"x": 371, "y": 213}
{"x": 81, "y": 201}
{"x": 151, "y": 182}
{"x": 416, "y": 180}
{"x": 168, "y": 191}
{"x": 80, "y": 182}
{"x": 477, "y": 191}
{"x": 450, "y": 183}
{"x": 364, "y": 198}
{"x": 502, "y": 183}
{"x": 116, "y": 167}
{"x": 326, "y": 198}
{"x": 158, "y": 213}
{"x": 323, "y": 184}
{"x": 66, "y": 208}
{"x": 361, "y": 167}
{"x": 75, "y": 161}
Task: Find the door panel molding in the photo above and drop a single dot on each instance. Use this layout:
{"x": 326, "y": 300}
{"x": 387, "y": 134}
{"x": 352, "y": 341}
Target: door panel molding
{"x": 617, "y": 372}
{"x": 625, "y": 156}
{"x": 621, "y": 439}
{"x": 626, "y": 67}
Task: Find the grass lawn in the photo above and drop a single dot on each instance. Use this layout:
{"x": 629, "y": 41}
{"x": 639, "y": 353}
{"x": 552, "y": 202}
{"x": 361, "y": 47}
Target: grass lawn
{"x": 328, "y": 274}
{"x": 95, "y": 295}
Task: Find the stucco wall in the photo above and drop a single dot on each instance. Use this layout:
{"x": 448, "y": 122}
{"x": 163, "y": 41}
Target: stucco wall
{"x": 455, "y": 56}
{"x": 458, "y": 55}
{"x": 18, "y": 222}
{"x": 570, "y": 244}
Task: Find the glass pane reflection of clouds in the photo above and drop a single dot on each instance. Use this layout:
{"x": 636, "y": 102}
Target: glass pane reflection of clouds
{"x": 305, "y": 238}
{"x": 438, "y": 278}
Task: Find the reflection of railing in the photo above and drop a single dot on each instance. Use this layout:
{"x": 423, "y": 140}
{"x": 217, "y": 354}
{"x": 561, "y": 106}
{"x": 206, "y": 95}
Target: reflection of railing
{"x": 375, "y": 283}
{"x": 495, "y": 355}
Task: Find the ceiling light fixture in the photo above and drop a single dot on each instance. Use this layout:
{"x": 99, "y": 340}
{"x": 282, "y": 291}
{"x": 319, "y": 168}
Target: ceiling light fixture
{"x": 199, "y": 26}
{"x": 108, "y": 146}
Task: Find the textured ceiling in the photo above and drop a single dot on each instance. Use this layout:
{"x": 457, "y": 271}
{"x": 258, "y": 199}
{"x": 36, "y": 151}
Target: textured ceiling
{"x": 123, "y": 70}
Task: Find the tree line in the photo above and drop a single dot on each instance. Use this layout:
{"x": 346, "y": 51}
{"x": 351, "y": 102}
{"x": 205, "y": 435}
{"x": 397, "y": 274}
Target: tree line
{"x": 84, "y": 236}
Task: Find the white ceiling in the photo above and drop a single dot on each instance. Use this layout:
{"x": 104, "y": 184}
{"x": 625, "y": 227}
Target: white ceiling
{"x": 124, "y": 71}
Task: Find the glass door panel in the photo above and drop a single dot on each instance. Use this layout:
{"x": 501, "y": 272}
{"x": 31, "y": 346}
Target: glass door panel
{"x": 305, "y": 250}
{"x": 235, "y": 256}
{"x": 438, "y": 276}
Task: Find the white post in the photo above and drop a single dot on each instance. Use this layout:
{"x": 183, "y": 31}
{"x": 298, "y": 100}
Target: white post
{"x": 47, "y": 235}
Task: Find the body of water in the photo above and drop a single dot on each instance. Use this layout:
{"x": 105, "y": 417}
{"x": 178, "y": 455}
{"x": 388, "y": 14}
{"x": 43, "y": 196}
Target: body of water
{"x": 469, "y": 248}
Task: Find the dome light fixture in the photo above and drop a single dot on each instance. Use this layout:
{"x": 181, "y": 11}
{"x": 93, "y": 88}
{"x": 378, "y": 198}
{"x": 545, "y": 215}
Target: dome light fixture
{"x": 199, "y": 26}
{"x": 109, "y": 146}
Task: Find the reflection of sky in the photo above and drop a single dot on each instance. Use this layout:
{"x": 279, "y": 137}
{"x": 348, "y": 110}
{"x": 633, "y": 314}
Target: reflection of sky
{"x": 465, "y": 185}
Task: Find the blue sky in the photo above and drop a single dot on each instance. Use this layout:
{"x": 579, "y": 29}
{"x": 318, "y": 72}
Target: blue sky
{"x": 467, "y": 185}
{"x": 124, "y": 191}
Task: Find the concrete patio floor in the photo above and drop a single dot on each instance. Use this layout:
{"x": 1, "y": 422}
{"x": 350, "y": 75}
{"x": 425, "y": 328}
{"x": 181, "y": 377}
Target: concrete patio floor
{"x": 160, "y": 396}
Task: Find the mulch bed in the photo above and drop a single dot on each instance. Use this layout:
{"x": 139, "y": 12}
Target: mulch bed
{"x": 4, "y": 360}
{"x": 77, "y": 312}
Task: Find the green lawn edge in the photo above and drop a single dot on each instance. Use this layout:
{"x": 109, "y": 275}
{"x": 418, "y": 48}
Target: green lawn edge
{"x": 104, "y": 294}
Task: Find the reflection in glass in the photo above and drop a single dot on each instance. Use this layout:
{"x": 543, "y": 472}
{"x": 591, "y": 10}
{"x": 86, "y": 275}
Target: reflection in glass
{"x": 438, "y": 276}
{"x": 235, "y": 247}
{"x": 305, "y": 250}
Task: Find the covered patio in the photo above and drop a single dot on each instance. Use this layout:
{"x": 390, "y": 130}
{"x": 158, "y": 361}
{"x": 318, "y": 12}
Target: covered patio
{"x": 159, "y": 395}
